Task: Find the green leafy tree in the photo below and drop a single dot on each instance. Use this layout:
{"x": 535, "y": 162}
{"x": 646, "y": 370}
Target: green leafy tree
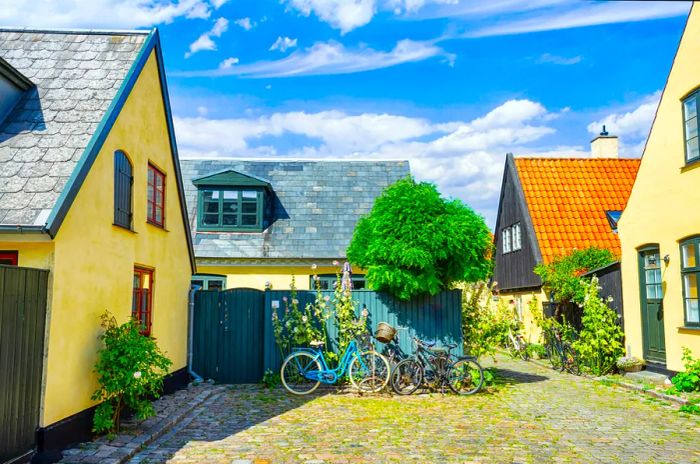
{"x": 600, "y": 341}
{"x": 130, "y": 371}
{"x": 415, "y": 242}
{"x": 562, "y": 275}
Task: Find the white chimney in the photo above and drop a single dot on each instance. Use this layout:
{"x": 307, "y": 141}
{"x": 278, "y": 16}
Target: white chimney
{"x": 604, "y": 146}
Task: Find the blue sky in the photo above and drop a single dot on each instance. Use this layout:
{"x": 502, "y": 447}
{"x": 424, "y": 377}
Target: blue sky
{"x": 449, "y": 85}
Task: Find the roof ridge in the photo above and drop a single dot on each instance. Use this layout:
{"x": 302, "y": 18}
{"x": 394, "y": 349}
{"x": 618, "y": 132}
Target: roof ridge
{"x": 291, "y": 160}
{"x": 573, "y": 158}
{"x": 76, "y": 31}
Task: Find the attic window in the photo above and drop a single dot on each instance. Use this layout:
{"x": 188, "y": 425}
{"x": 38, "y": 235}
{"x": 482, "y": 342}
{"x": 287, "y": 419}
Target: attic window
{"x": 613, "y": 217}
{"x": 12, "y": 87}
{"x": 690, "y": 127}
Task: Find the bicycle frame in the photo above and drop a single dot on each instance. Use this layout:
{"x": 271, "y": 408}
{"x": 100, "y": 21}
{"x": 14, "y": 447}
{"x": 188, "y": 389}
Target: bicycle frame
{"x": 326, "y": 374}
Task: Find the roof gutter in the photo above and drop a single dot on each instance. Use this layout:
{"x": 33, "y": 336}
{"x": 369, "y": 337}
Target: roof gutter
{"x": 19, "y": 229}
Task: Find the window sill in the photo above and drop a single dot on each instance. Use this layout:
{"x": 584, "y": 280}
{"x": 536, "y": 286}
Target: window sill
{"x": 125, "y": 229}
{"x": 689, "y": 329}
{"x": 159, "y": 226}
{"x": 690, "y": 165}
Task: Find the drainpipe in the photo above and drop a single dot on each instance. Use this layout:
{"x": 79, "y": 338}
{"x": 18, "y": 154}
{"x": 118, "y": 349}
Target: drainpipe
{"x": 190, "y": 335}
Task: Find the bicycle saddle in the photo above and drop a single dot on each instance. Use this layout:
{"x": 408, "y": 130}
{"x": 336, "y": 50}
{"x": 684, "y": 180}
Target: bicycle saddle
{"x": 316, "y": 343}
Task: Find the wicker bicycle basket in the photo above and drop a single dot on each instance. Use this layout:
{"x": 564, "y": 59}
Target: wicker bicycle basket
{"x": 385, "y": 333}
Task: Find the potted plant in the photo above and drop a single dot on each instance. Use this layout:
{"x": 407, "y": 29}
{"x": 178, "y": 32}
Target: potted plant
{"x": 629, "y": 364}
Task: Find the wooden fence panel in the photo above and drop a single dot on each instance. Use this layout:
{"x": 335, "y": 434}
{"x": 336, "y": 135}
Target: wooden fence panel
{"x": 23, "y": 294}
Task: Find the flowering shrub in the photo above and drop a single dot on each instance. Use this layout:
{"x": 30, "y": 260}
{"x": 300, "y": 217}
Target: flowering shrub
{"x": 299, "y": 327}
{"x": 600, "y": 340}
{"x": 130, "y": 370}
{"x": 485, "y": 325}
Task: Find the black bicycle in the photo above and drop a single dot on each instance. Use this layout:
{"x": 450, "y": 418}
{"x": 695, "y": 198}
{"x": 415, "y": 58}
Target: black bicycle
{"x": 561, "y": 354}
{"x": 437, "y": 367}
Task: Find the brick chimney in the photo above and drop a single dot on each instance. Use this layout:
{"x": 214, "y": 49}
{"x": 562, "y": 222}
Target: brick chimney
{"x": 604, "y": 146}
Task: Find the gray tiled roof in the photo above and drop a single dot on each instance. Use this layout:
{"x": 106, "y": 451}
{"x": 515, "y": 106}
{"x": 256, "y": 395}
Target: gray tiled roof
{"x": 318, "y": 204}
{"x": 76, "y": 74}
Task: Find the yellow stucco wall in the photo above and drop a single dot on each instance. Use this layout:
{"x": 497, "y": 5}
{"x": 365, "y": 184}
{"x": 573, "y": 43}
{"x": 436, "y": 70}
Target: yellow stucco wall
{"x": 279, "y": 276}
{"x": 521, "y": 301}
{"x": 662, "y": 208}
{"x": 94, "y": 260}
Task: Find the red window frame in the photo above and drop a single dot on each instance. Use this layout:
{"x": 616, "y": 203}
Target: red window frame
{"x": 156, "y": 196}
{"x": 9, "y": 257}
{"x": 142, "y": 303}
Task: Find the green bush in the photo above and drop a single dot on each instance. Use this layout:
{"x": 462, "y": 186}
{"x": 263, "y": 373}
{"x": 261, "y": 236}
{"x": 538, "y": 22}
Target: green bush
{"x": 689, "y": 379}
{"x": 271, "y": 379}
{"x": 130, "y": 371}
{"x": 562, "y": 275}
{"x": 535, "y": 350}
{"x": 599, "y": 344}
{"x": 485, "y": 324}
{"x": 415, "y": 242}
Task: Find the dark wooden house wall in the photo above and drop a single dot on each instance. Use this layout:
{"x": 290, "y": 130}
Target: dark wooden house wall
{"x": 514, "y": 270}
{"x": 610, "y": 283}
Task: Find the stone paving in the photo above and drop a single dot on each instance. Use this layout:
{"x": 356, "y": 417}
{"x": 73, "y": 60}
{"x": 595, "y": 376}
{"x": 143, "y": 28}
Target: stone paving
{"x": 536, "y": 416}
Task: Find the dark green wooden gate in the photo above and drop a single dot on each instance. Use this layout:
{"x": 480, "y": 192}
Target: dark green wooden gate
{"x": 228, "y": 335}
{"x": 22, "y": 319}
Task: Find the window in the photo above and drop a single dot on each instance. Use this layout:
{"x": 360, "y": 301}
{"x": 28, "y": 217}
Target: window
{"x": 517, "y": 240}
{"x": 506, "y": 240}
{"x": 156, "y": 196}
{"x": 9, "y": 258}
{"x": 690, "y": 127}
{"x": 327, "y": 282}
{"x": 690, "y": 275}
{"x": 613, "y": 218}
{"x": 123, "y": 185}
{"x": 230, "y": 209}
{"x": 142, "y": 303}
{"x": 512, "y": 238}
{"x": 209, "y": 282}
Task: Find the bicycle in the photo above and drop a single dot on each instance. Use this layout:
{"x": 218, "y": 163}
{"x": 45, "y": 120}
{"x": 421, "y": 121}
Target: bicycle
{"x": 430, "y": 364}
{"x": 561, "y": 354}
{"x": 306, "y": 368}
{"x": 517, "y": 346}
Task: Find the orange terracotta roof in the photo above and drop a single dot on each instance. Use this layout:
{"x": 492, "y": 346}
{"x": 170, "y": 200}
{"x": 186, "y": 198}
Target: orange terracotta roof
{"x": 568, "y": 197}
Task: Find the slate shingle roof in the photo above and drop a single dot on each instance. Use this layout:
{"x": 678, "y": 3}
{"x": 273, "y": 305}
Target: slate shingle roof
{"x": 567, "y": 199}
{"x": 76, "y": 74}
{"x": 318, "y": 204}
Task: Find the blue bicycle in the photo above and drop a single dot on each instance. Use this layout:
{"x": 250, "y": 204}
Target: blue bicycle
{"x": 306, "y": 368}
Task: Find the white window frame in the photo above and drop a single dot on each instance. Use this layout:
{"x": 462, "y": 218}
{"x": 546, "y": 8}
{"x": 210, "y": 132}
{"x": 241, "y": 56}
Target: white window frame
{"x": 506, "y": 237}
{"x": 517, "y": 237}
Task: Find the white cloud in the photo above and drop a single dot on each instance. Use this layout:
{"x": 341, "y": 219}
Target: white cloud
{"x": 245, "y": 23}
{"x": 345, "y": 15}
{"x": 202, "y": 110}
{"x": 549, "y": 15}
{"x": 548, "y": 58}
{"x": 324, "y": 58}
{"x": 205, "y": 42}
{"x": 228, "y": 62}
{"x": 492, "y": 17}
{"x": 218, "y": 3}
{"x": 102, "y": 13}
{"x": 283, "y": 44}
{"x": 631, "y": 123}
{"x": 465, "y": 158}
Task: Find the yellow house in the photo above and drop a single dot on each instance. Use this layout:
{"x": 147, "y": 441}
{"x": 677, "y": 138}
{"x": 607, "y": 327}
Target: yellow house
{"x": 90, "y": 189}
{"x": 660, "y": 229}
{"x": 550, "y": 207}
{"x": 258, "y": 223}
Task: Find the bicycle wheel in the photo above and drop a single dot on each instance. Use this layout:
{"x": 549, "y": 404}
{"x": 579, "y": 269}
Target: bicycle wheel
{"x": 570, "y": 360}
{"x": 369, "y": 371}
{"x": 406, "y": 377}
{"x": 554, "y": 357}
{"x": 465, "y": 377}
{"x": 293, "y": 373}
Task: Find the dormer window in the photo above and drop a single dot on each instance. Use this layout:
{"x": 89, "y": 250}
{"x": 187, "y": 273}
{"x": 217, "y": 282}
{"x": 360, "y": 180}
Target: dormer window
{"x": 231, "y": 202}
{"x": 613, "y": 218}
{"x": 12, "y": 87}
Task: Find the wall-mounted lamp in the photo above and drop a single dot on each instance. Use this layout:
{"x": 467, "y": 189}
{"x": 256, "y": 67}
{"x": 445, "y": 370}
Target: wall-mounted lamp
{"x": 667, "y": 258}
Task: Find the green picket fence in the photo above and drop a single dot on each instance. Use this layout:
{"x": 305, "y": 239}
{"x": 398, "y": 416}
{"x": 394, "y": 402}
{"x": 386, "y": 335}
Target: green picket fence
{"x": 234, "y": 341}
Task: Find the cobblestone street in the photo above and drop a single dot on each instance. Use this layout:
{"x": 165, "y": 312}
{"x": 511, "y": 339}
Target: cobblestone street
{"x": 537, "y": 415}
